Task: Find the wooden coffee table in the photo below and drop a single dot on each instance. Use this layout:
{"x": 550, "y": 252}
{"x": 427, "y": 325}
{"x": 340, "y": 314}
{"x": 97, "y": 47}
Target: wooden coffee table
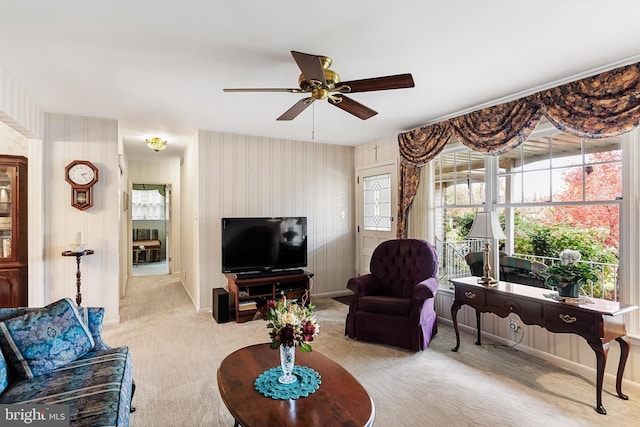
{"x": 340, "y": 400}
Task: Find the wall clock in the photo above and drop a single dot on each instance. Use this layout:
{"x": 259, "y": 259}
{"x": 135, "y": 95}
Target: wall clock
{"x": 81, "y": 175}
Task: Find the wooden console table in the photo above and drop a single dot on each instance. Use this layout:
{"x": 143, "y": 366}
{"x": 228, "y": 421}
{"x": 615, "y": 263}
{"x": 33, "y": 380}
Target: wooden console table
{"x": 340, "y": 401}
{"x": 599, "y": 321}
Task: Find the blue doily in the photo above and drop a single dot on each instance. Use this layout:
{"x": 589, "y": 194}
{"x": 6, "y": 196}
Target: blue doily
{"x": 308, "y": 382}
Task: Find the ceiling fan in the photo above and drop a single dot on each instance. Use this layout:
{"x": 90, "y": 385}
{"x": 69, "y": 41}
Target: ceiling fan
{"x": 318, "y": 80}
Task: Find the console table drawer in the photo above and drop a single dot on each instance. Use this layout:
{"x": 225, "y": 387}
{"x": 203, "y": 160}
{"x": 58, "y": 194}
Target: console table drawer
{"x": 567, "y": 319}
{"x": 515, "y": 305}
{"x": 473, "y": 296}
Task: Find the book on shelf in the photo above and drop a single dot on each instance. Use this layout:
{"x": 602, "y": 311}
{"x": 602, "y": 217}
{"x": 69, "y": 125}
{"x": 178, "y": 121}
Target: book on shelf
{"x": 247, "y": 305}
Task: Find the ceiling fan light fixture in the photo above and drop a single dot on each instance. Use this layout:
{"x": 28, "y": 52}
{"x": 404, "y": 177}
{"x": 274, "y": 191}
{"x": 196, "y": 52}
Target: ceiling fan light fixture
{"x": 320, "y": 82}
{"x": 156, "y": 144}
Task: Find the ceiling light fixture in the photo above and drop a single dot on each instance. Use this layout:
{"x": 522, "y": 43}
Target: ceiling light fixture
{"x": 157, "y": 144}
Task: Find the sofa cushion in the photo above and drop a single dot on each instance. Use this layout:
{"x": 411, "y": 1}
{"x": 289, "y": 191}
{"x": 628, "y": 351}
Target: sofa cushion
{"x": 97, "y": 387}
{"x": 4, "y": 377}
{"x": 8, "y": 313}
{"x": 38, "y": 342}
{"x": 93, "y": 317}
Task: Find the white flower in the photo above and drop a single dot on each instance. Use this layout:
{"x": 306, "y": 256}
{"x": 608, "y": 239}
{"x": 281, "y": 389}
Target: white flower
{"x": 570, "y": 257}
{"x": 289, "y": 318}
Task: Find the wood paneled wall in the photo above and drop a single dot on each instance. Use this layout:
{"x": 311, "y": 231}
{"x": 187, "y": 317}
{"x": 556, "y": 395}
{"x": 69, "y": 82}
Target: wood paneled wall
{"x": 18, "y": 110}
{"x": 69, "y": 138}
{"x": 243, "y": 175}
{"x": 12, "y": 142}
{"x": 378, "y": 151}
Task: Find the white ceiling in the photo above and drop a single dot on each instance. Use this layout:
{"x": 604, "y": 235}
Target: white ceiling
{"x": 159, "y": 67}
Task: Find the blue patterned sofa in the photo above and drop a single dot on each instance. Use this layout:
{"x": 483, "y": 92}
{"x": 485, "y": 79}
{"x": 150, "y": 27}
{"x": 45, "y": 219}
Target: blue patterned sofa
{"x": 55, "y": 355}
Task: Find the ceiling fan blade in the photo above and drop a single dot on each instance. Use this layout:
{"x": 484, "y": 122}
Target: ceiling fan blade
{"x": 350, "y": 106}
{"x": 297, "y": 108}
{"x": 310, "y": 66}
{"x": 399, "y": 81}
{"x": 265, "y": 89}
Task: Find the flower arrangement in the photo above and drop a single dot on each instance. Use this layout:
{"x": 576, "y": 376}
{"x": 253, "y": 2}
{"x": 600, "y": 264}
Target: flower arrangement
{"x": 569, "y": 272}
{"x": 290, "y": 323}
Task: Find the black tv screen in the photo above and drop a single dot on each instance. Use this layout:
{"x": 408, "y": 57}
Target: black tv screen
{"x": 263, "y": 244}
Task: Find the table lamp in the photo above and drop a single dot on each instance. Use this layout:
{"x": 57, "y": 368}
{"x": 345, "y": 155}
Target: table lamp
{"x": 486, "y": 226}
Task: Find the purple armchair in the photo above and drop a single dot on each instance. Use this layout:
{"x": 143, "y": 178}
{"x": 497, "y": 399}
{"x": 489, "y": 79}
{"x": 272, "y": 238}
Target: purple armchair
{"x": 394, "y": 304}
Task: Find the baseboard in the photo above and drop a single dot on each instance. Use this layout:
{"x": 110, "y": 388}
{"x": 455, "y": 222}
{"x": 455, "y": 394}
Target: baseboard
{"x": 112, "y": 322}
{"x": 560, "y": 362}
{"x": 333, "y": 294}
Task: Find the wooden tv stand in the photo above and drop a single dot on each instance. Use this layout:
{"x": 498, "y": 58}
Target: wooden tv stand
{"x": 244, "y": 290}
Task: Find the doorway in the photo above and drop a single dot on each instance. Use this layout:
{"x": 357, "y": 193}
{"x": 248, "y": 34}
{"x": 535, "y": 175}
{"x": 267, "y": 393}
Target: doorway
{"x": 377, "y": 200}
{"x": 150, "y": 224}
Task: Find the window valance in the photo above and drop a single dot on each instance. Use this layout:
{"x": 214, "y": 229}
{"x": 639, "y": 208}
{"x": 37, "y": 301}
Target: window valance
{"x": 601, "y": 106}
{"x": 596, "y": 107}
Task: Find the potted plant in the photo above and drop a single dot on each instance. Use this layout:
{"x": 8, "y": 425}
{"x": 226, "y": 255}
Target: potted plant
{"x": 568, "y": 275}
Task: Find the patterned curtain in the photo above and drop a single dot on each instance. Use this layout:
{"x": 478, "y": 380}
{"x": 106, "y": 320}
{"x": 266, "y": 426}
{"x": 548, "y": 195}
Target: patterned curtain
{"x": 420, "y": 145}
{"x": 409, "y": 180}
{"x": 498, "y": 129}
{"x": 596, "y": 107}
{"x": 601, "y": 106}
{"x": 417, "y": 147}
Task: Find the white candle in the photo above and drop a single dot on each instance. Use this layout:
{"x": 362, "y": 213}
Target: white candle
{"x": 78, "y": 240}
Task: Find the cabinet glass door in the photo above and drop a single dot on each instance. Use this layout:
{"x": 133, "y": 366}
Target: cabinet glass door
{"x": 7, "y": 178}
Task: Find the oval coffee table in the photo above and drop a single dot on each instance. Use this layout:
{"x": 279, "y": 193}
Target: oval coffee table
{"x": 340, "y": 400}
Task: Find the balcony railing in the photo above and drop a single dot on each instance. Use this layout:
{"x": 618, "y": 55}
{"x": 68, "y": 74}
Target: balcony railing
{"x": 453, "y": 265}
{"x": 607, "y": 285}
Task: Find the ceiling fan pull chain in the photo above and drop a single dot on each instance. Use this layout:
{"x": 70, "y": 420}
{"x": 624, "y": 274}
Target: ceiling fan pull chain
{"x": 313, "y": 121}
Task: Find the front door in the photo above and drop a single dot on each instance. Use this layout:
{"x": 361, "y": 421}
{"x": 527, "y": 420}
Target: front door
{"x": 377, "y": 206}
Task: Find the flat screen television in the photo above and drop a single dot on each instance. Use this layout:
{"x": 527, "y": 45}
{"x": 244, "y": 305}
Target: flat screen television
{"x": 263, "y": 244}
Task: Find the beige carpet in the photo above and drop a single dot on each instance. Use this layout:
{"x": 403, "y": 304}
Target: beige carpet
{"x": 176, "y": 353}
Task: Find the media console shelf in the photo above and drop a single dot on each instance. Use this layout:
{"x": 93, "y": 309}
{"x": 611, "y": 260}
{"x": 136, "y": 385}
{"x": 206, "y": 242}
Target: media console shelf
{"x": 249, "y": 293}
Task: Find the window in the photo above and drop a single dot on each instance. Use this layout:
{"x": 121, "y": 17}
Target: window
{"x": 459, "y": 190}
{"x": 147, "y": 205}
{"x": 460, "y": 178}
{"x": 552, "y": 192}
{"x": 377, "y": 202}
{"x": 561, "y": 168}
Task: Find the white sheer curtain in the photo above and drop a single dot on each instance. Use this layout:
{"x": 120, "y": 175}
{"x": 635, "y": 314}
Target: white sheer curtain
{"x": 147, "y": 204}
{"x": 421, "y": 213}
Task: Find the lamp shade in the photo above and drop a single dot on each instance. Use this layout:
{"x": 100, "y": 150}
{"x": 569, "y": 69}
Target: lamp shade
{"x": 486, "y": 226}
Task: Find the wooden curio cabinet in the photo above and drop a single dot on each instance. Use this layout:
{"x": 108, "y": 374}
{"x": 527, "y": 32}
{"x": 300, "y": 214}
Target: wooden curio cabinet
{"x": 13, "y": 231}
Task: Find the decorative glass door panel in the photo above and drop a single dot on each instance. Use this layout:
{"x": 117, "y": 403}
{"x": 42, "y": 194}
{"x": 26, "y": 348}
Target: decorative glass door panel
{"x": 7, "y": 177}
{"x": 377, "y": 202}
{"x": 14, "y": 236}
{"x": 377, "y": 194}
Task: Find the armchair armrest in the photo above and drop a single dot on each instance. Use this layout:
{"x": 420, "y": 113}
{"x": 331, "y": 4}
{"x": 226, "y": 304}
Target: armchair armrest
{"x": 363, "y": 285}
{"x": 426, "y": 289}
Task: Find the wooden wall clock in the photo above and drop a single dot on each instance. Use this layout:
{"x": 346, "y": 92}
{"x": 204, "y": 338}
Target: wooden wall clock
{"x": 82, "y": 175}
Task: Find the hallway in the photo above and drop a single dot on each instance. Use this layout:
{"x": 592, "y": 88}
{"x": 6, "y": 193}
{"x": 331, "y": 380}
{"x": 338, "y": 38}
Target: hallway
{"x": 150, "y": 269}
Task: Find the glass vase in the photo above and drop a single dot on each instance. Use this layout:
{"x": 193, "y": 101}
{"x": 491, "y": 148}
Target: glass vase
{"x": 287, "y": 361}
